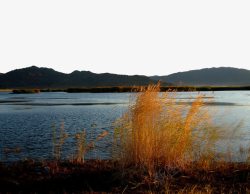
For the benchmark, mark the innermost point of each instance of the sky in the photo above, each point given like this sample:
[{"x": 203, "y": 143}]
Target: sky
[{"x": 124, "y": 36}]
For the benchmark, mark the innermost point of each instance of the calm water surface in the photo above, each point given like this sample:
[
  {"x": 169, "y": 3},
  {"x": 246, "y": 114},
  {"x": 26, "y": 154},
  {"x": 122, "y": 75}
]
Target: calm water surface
[{"x": 27, "y": 120}]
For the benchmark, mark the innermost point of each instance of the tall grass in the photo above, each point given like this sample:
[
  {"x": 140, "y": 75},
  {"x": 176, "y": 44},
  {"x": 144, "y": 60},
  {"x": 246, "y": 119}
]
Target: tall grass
[{"x": 158, "y": 131}]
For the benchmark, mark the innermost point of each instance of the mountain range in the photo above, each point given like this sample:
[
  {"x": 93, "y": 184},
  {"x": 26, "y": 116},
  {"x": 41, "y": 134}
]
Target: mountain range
[{"x": 35, "y": 77}]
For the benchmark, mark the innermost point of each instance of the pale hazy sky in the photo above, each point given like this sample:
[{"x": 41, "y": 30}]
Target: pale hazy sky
[{"x": 124, "y": 36}]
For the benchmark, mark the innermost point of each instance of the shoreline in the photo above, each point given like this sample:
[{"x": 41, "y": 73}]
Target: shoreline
[{"x": 127, "y": 89}]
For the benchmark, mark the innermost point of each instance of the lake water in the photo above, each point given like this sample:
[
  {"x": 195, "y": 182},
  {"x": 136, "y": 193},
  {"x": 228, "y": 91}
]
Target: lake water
[{"x": 27, "y": 120}]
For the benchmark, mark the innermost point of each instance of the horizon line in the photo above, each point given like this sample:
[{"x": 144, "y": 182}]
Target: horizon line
[{"x": 25, "y": 67}]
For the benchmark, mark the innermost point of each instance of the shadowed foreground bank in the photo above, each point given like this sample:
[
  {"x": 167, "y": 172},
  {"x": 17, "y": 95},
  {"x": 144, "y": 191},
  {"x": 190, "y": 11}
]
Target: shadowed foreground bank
[{"x": 107, "y": 176}]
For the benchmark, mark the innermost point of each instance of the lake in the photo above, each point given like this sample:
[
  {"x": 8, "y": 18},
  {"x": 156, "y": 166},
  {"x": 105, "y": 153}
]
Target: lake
[{"x": 27, "y": 121}]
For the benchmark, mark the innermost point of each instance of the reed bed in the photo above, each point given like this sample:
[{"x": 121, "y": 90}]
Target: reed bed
[{"x": 157, "y": 131}]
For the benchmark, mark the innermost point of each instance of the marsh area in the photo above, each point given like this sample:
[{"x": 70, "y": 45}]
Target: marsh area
[
  {"x": 27, "y": 120},
  {"x": 175, "y": 142}
]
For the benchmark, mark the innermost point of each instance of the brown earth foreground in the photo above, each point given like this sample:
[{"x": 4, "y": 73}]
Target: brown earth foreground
[{"x": 95, "y": 176}]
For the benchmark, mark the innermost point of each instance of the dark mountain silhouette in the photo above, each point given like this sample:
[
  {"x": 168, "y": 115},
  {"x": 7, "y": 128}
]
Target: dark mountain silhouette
[
  {"x": 222, "y": 76},
  {"x": 34, "y": 77}
]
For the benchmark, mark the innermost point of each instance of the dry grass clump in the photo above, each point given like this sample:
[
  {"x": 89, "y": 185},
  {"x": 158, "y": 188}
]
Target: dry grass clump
[{"x": 158, "y": 131}]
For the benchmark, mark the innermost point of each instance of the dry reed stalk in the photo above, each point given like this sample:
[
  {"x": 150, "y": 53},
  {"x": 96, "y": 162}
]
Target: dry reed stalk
[
  {"x": 83, "y": 146},
  {"x": 58, "y": 140}
]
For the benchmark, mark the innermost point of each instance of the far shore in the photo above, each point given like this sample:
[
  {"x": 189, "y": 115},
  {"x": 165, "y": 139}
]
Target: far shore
[{"x": 126, "y": 89}]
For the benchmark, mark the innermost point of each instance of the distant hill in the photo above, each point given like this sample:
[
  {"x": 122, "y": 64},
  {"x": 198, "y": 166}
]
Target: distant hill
[
  {"x": 222, "y": 76},
  {"x": 34, "y": 77}
]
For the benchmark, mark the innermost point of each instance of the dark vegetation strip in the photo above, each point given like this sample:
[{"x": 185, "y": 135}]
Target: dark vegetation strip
[
  {"x": 25, "y": 91},
  {"x": 163, "y": 89},
  {"x": 133, "y": 89}
]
